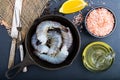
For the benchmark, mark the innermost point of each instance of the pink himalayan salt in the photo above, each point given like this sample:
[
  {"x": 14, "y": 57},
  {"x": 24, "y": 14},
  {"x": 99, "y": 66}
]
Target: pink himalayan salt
[{"x": 100, "y": 22}]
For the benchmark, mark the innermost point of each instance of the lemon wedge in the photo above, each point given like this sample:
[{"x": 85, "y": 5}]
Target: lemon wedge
[{"x": 71, "y": 6}]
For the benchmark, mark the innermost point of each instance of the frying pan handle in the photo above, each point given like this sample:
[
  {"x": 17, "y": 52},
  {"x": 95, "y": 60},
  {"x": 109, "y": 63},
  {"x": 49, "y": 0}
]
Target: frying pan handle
[{"x": 12, "y": 72}]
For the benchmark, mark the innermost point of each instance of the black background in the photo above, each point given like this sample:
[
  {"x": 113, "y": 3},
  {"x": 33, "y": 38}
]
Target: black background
[{"x": 76, "y": 71}]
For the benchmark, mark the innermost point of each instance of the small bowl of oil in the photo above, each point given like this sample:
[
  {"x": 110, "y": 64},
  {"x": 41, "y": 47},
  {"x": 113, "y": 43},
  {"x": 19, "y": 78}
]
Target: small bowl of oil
[{"x": 98, "y": 56}]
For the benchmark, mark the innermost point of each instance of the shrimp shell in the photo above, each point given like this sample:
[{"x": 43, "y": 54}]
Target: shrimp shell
[
  {"x": 39, "y": 48},
  {"x": 42, "y": 29},
  {"x": 34, "y": 41},
  {"x": 60, "y": 57},
  {"x": 56, "y": 42},
  {"x": 67, "y": 37}
]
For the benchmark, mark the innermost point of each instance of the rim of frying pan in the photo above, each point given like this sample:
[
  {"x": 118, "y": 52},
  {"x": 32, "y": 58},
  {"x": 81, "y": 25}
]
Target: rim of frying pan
[{"x": 65, "y": 63}]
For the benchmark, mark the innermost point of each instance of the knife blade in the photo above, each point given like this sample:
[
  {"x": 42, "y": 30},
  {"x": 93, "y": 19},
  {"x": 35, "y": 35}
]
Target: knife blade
[{"x": 14, "y": 31}]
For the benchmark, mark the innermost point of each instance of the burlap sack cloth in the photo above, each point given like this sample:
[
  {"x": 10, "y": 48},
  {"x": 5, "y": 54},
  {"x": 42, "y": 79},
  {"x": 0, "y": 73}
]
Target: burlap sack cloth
[{"x": 31, "y": 9}]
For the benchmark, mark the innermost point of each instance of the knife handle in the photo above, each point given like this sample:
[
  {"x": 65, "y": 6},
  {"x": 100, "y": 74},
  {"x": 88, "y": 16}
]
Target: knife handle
[{"x": 12, "y": 54}]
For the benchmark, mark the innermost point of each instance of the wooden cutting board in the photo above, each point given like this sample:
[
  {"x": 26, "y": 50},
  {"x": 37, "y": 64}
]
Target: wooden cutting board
[{"x": 31, "y": 9}]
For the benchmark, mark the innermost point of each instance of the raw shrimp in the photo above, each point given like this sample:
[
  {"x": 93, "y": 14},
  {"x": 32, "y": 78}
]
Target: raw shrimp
[
  {"x": 34, "y": 41},
  {"x": 52, "y": 42},
  {"x": 55, "y": 42},
  {"x": 42, "y": 29},
  {"x": 60, "y": 57},
  {"x": 67, "y": 37},
  {"x": 39, "y": 48}
]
